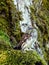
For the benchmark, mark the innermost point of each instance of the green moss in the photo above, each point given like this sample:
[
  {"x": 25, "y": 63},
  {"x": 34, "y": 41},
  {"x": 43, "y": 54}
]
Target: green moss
[
  {"x": 18, "y": 58},
  {"x": 46, "y": 4},
  {"x": 4, "y": 25},
  {"x": 9, "y": 19},
  {"x": 4, "y": 41},
  {"x": 9, "y": 26},
  {"x": 42, "y": 21}
]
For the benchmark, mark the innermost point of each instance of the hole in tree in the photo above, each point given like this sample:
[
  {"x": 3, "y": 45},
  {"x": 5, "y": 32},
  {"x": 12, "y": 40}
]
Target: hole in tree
[
  {"x": 38, "y": 63},
  {"x": 48, "y": 62}
]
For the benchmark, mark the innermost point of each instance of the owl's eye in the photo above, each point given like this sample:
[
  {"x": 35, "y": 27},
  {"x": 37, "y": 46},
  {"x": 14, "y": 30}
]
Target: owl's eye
[
  {"x": 26, "y": 24},
  {"x": 22, "y": 24}
]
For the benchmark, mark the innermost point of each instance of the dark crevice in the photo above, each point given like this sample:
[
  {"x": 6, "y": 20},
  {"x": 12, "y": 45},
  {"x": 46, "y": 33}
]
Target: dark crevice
[{"x": 38, "y": 63}]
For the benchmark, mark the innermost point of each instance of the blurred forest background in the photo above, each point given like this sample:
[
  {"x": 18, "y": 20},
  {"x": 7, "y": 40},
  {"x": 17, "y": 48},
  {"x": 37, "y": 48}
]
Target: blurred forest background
[{"x": 10, "y": 34}]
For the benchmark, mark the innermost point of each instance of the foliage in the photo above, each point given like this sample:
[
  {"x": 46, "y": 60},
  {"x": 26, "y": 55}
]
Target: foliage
[
  {"x": 9, "y": 19},
  {"x": 11, "y": 57},
  {"x": 45, "y": 4},
  {"x": 4, "y": 41},
  {"x": 41, "y": 19},
  {"x": 9, "y": 26},
  {"x": 4, "y": 25}
]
